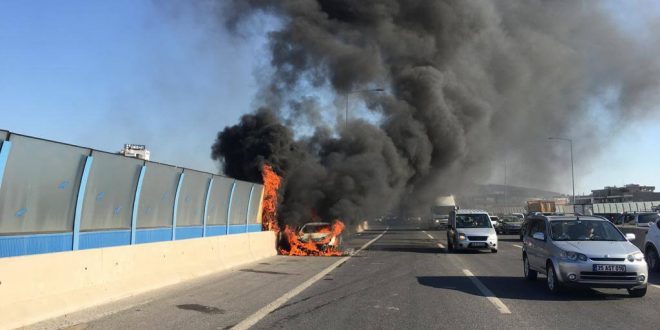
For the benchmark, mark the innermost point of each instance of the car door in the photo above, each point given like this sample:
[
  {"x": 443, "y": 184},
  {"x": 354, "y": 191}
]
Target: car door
[
  {"x": 542, "y": 246},
  {"x": 530, "y": 242}
]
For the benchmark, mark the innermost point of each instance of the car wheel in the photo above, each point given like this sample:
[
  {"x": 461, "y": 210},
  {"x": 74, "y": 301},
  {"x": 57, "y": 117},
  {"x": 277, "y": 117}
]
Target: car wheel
[
  {"x": 652, "y": 258},
  {"x": 637, "y": 292},
  {"x": 529, "y": 273},
  {"x": 552, "y": 282},
  {"x": 493, "y": 250}
]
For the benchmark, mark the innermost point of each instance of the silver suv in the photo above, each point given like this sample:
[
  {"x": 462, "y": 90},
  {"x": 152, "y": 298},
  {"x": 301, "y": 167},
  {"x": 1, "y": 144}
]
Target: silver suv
[{"x": 582, "y": 251}]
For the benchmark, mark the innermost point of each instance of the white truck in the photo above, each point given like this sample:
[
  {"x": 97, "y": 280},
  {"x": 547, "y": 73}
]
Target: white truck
[{"x": 442, "y": 206}]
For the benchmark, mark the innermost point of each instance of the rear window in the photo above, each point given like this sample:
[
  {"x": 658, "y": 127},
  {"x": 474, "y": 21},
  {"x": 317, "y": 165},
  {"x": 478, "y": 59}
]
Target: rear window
[{"x": 646, "y": 218}]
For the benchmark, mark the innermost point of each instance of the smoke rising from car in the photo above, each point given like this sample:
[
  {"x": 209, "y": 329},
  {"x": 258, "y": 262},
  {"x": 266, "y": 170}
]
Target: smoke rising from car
[{"x": 468, "y": 83}]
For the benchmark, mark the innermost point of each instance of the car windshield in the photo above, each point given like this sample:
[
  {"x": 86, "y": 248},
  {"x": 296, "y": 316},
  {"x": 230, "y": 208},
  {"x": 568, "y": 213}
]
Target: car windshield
[
  {"x": 473, "y": 221},
  {"x": 308, "y": 229},
  {"x": 584, "y": 230},
  {"x": 646, "y": 218}
]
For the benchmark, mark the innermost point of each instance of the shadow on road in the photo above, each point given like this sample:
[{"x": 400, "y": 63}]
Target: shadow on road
[
  {"x": 507, "y": 287},
  {"x": 509, "y": 239}
]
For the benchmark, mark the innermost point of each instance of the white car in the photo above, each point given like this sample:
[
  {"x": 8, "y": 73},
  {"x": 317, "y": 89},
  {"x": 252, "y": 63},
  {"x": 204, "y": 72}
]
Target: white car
[
  {"x": 471, "y": 230},
  {"x": 319, "y": 233},
  {"x": 652, "y": 246}
]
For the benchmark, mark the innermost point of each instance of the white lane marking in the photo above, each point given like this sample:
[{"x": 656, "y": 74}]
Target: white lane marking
[
  {"x": 516, "y": 245},
  {"x": 260, "y": 314},
  {"x": 431, "y": 237},
  {"x": 487, "y": 293}
]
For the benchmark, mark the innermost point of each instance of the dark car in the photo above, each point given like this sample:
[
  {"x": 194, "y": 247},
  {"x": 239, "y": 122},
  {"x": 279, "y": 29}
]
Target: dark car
[{"x": 509, "y": 225}]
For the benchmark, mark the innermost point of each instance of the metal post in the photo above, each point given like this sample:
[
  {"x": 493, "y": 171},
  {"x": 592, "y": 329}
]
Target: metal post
[
  {"x": 176, "y": 205},
  {"x": 572, "y": 173},
  {"x": 136, "y": 203},
  {"x": 506, "y": 188},
  {"x": 231, "y": 196},
  {"x": 4, "y": 156},
  {"x": 206, "y": 206},
  {"x": 77, "y": 219},
  {"x": 247, "y": 213},
  {"x": 570, "y": 141},
  {"x": 353, "y": 92}
]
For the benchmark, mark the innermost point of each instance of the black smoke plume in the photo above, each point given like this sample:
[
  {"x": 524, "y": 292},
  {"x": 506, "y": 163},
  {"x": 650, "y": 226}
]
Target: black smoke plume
[{"x": 468, "y": 84}]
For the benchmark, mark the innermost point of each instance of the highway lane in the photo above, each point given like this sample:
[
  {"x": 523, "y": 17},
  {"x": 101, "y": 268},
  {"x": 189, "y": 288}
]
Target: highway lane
[
  {"x": 216, "y": 301},
  {"x": 403, "y": 280}
]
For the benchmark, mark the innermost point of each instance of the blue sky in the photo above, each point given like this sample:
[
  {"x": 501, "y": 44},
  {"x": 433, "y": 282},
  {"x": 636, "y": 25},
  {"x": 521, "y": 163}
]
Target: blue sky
[{"x": 104, "y": 73}]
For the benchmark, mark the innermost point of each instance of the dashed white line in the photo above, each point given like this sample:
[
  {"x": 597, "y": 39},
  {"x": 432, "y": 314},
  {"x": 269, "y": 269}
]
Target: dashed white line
[
  {"x": 260, "y": 314},
  {"x": 487, "y": 293},
  {"x": 431, "y": 237},
  {"x": 516, "y": 245}
]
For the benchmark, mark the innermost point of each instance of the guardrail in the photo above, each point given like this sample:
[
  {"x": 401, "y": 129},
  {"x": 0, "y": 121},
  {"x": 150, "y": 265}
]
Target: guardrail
[{"x": 57, "y": 197}]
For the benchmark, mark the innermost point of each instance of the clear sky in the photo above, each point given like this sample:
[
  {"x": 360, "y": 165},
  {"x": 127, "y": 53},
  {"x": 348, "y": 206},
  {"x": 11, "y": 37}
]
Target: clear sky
[{"x": 104, "y": 73}]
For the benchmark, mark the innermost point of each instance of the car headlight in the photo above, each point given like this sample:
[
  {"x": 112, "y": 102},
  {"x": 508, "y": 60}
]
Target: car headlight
[
  {"x": 572, "y": 256},
  {"x": 636, "y": 256},
  {"x": 461, "y": 236}
]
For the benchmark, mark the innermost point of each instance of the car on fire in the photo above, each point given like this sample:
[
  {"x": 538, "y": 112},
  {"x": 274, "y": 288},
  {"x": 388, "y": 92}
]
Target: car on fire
[
  {"x": 321, "y": 234},
  {"x": 471, "y": 230},
  {"x": 582, "y": 251}
]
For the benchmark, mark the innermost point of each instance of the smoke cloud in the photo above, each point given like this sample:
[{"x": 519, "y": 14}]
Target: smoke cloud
[{"x": 468, "y": 84}]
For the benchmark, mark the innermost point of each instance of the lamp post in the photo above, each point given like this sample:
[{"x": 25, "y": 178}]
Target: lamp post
[
  {"x": 373, "y": 90},
  {"x": 572, "y": 171}
]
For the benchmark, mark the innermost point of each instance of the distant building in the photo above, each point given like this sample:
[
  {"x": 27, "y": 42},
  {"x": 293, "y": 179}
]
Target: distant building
[
  {"x": 489, "y": 196},
  {"x": 627, "y": 193},
  {"x": 136, "y": 151}
]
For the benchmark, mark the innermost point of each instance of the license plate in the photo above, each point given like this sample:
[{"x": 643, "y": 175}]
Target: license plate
[
  {"x": 478, "y": 244},
  {"x": 609, "y": 268}
]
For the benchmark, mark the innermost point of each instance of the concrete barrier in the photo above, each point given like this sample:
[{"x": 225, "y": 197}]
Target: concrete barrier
[{"x": 38, "y": 287}]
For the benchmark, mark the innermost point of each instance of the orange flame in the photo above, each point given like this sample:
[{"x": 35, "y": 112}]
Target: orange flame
[
  {"x": 328, "y": 246},
  {"x": 272, "y": 183}
]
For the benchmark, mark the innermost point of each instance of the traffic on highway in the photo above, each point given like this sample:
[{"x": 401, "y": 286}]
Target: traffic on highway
[{"x": 329, "y": 164}]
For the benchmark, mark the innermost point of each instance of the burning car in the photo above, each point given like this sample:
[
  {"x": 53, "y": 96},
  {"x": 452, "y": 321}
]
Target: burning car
[{"x": 321, "y": 234}]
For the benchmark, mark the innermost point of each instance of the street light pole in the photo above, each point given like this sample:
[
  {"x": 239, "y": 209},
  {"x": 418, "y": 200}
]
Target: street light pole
[
  {"x": 572, "y": 168},
  {"x": 355, "y": 92}
]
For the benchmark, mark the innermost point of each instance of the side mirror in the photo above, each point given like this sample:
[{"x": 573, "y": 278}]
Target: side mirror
[
  {"x": 630, "y": 236},
  {"x": 539, "y": 236}
]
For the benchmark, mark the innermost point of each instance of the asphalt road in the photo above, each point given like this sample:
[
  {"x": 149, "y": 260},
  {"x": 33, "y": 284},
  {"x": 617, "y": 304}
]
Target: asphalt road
[{"x": 404, "y": 280}]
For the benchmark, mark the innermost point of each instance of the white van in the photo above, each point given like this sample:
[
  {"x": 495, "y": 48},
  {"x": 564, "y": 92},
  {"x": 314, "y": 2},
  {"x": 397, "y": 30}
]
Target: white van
[{"x": 471, "y": 230}]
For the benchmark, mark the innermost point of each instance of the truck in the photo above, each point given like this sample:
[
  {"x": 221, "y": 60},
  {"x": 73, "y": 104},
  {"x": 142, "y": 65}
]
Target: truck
[
  {"x": 543, "y": 206},
  {"x": 440, "y": 209}
]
